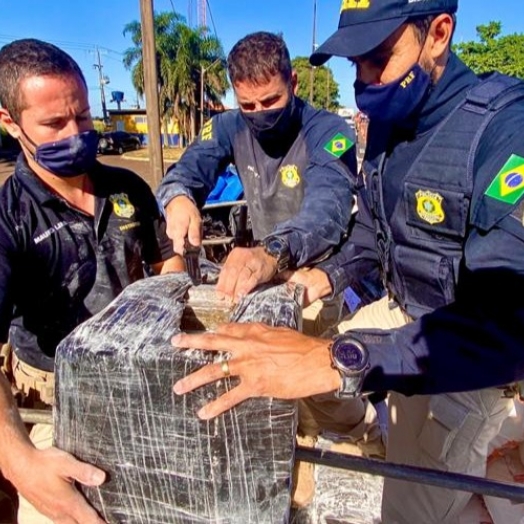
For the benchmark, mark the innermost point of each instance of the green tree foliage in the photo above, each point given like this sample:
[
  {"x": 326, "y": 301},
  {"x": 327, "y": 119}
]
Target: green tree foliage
[
  {"x": 325, "y": 88},
  {"x": 493, "y": 52},
  {"x": 185, "y": 55}
]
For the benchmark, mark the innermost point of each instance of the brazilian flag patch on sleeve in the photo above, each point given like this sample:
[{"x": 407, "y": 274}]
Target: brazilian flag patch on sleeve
[
  {"x": 508, "y": 185},
  {"x": 338, "y": 145}
]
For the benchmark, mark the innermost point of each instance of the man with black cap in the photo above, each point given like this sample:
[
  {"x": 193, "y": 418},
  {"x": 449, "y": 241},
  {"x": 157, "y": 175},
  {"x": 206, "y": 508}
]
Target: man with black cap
[{"x": 440, "y": 224}]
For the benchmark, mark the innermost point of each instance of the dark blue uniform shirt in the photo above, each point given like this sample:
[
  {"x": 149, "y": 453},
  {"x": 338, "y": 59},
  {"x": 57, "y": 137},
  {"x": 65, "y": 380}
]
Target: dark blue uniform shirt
[
  {"x": 59, "y": 266},
  {"x": 476, "y": 339},
  {"x": 302, "y": 192}
]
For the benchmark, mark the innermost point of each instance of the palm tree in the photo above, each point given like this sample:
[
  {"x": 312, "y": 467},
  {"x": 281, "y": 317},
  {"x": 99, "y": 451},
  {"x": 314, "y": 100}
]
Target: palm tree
[
  {"x": 197, "y": 53},
  {"x": 181, "y": 53}
]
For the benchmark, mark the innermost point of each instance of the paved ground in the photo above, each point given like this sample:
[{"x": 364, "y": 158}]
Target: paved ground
[{"x": 141, "y": 167}]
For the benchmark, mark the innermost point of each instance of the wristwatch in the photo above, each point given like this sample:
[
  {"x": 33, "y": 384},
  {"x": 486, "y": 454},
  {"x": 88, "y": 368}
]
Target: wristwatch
[
  {"x": 278, "y": 248},
  {"x": 351, "y": 358}
]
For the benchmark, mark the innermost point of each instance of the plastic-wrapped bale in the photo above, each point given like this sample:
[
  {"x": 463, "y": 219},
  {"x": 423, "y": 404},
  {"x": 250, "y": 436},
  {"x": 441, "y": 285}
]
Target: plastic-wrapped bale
[{"x": 115, "y": 409}]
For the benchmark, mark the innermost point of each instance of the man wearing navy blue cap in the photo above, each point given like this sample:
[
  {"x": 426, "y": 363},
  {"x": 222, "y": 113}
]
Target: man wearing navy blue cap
[
  {"x": 440, "y": 225},
  {"x": 365, "y": 24}
]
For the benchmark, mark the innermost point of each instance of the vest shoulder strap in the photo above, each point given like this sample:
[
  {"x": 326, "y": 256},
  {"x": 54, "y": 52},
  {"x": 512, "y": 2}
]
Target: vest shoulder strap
[
  {"x": 448, "y": 157},
  {"x": 494, "y": 92}
]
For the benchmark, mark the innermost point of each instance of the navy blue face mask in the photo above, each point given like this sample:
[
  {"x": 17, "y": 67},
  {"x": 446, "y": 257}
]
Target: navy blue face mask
[
  {"x": 72, "y": 156},
  {"x": 395, "y": 101}
]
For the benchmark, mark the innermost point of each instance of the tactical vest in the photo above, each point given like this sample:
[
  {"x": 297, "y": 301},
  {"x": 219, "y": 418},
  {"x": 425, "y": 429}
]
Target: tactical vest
[
  {"x": 421, "y": 259},
  {"x": 274, "y": 189}
]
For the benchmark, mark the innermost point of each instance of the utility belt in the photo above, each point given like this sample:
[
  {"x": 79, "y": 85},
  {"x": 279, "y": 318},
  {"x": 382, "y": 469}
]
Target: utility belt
[{"x": 32, "y": 388}]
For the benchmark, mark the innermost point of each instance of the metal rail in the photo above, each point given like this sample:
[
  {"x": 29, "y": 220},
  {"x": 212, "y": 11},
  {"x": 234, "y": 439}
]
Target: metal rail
[
  {"x": 432, "y": 477},
  {"x": 218, "y": 205},
  {"x": 217, "y": 241},
  {"x": 36, "y": 416}
]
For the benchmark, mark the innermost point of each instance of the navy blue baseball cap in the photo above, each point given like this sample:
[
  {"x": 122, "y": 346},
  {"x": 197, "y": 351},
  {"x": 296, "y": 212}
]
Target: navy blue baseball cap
[{"x": 365, "y": 24}]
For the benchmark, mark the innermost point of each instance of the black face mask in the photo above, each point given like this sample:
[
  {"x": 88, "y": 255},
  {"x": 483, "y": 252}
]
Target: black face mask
[{"x": 272, "y": 126}]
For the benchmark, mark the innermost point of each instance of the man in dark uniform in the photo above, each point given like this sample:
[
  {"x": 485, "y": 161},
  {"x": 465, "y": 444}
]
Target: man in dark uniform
[
  {"x": 440, "y": 223},
  {"x": 297, "y": 166},
  {"x": 298, "y": 169},
  {"x": 73, "y": 234}
]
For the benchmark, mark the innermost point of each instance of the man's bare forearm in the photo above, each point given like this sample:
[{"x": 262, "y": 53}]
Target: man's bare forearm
[{"x": 13, "y": 435}]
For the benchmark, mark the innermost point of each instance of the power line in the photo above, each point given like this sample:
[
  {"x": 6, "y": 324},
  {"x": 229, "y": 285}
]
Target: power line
[
  {"x": 77, "y": 46},
  {"x": 212, "y": 20}
]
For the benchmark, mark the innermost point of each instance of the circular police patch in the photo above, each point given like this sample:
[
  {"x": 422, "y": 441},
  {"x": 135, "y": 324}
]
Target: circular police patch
[{"x": 290, "y": 176}]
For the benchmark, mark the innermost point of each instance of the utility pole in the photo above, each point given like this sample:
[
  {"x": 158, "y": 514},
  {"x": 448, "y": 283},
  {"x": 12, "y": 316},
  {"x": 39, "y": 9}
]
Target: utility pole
[
  {"x": 102, "y": 80},
  {"x": 202, "y": 13},
  {"x": 190, "y": 13},
  {"x": 151, "y": 90},
  {"x": 314, "y": 46},
  {"x": 202, "y": 71}
]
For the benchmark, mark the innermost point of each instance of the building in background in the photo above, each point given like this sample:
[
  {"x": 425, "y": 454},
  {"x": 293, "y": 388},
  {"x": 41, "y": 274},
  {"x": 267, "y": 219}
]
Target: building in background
[
  {"x": 135, "y": 121},
  {"x": 348, "y": 114}
]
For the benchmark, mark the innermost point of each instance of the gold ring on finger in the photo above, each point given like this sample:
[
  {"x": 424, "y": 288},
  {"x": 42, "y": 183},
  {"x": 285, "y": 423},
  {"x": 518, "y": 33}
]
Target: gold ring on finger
[{"x": 224, "y": 366}]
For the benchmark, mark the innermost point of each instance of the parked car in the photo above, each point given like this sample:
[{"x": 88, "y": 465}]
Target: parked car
[{"x": 117, "y": 142}]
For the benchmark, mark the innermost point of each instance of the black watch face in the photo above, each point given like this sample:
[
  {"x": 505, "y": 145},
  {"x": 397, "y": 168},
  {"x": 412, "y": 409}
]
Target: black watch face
[
  {"x": 349, "y": 356},
  {"x": 275, "y": 246}
]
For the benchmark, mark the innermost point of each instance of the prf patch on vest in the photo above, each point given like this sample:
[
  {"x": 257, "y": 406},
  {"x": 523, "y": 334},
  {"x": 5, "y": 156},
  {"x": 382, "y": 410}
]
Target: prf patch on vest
[
  {"x": 508, "y": 185},
  {"x": 355, "y": 4},
  {"x": 435, "y": 210},
  {"x": 207, "y": 131},
  {"x": 290, "y": 176},
  {"x": 338, "y": 145},
  {"x": 122, "y": 205},
  {"x": 429, "y": 207}
]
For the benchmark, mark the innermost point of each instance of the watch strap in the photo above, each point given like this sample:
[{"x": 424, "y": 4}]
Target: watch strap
[{"x": 350, "y": 386}]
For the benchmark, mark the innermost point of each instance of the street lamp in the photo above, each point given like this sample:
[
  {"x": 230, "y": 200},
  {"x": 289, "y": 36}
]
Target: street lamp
[{"x": 204, "y": 70}]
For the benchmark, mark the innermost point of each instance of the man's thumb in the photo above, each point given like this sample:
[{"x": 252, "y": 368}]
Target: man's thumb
[{"x": 86, "y": 474}]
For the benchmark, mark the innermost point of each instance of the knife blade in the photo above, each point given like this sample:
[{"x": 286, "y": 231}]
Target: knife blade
[{"x": 191, "y": 256}]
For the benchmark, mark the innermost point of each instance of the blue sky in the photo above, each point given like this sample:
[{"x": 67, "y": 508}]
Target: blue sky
[{"x": 79, "y": 26}]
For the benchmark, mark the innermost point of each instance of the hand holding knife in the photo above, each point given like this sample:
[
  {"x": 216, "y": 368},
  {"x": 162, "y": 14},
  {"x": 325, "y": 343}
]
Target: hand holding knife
[{"x": 191, "y": 258}]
